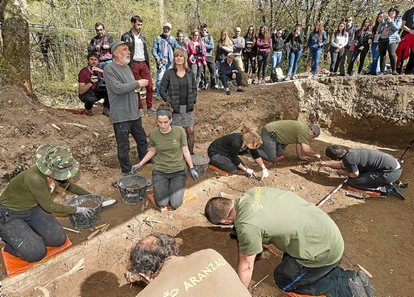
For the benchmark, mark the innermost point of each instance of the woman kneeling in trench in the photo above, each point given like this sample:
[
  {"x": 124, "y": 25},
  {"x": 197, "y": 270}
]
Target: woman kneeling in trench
[
  {"x": 168, "y": 146},
  {"x": 27, "y": 225},
  {"x": 223, "y": 152}
]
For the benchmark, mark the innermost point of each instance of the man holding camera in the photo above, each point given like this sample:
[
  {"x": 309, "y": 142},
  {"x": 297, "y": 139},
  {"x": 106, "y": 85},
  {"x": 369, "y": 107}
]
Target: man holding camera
[{"x": 91, "y": 86}]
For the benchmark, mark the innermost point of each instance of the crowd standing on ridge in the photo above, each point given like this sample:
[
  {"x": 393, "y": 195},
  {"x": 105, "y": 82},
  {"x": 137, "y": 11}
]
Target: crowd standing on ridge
[{"x": 118, "y": 71}]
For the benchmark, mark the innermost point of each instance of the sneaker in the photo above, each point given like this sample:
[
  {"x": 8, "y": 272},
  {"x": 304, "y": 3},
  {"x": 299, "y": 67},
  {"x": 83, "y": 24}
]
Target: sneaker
[
  {"x": 151, "y": 110},
  {"x": 288, "y": 77},
  {"x": 240, "y": 90},
  {"x": 105, "y": 111},
  {"x": 357, "y": 287},
  {"x": 395, "y": 73},
  {"x": 140, "y": 112},
  {"x": 227, "y": 91},
  {"x": 295, "y": 76},
  {"x": 366, "y": 282},
  {"x": 88, "y": 112}
]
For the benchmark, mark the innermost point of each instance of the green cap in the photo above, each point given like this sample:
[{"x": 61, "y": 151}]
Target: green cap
[{"x": 56, "y": 161}]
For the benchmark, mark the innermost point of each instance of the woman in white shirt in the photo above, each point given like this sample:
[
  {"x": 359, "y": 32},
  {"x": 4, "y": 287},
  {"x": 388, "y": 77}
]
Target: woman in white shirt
[{"x": 338, "y": 42}]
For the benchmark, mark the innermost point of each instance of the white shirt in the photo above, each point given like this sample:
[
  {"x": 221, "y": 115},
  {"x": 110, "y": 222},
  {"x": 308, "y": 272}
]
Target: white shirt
[
  {"x": 339, "y": 40},
  {"x": 139, "y": 49}
]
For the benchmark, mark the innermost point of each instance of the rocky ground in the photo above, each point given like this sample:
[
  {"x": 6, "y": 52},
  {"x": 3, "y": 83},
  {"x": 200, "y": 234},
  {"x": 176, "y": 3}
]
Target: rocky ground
[{"x": 376, "y": 109}]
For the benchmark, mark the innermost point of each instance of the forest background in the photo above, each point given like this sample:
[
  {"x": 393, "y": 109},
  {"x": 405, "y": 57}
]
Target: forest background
[{"x": 58, "y": 31}]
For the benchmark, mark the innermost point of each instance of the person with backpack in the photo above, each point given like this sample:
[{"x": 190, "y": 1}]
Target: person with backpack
[{"x": 162, "y": 50}]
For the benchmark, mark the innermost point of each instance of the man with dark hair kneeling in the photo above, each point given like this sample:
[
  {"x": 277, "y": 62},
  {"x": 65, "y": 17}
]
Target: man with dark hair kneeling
[
  {"x": 367, "y": 169},
  {"x": 311, "y": 243},
  {"x": 204, "y": 273}
]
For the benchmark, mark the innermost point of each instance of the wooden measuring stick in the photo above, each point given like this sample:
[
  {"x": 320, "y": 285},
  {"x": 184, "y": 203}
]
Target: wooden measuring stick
[{"x": 71, "y": 230}]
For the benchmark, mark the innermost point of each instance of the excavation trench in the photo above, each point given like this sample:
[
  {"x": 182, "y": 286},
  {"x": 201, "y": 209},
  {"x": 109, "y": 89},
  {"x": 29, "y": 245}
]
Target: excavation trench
[{"x": 372, "y": 230}]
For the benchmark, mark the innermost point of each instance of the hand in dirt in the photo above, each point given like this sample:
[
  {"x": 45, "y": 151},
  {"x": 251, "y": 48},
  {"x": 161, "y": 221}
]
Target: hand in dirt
[
  {"x": 143, "y": 82},
  {"x": 265, "y": 173},
  {"x": 86, "y": 211},
  {"x": 136, "y": 168},
  {"x": 194, "y": 174},
  {"x": 249, "y": 172}
]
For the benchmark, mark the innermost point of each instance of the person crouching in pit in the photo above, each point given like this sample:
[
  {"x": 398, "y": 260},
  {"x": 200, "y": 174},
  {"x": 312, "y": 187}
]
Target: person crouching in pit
[
  {"x": 168, "y": 149},
  {"x": 223, "y": 152}
]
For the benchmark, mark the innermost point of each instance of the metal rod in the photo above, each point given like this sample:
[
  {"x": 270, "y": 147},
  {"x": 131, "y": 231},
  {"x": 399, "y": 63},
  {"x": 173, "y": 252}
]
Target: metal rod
[
  {"x": 329, "y": 195},
  {"x": 258, "y": 283},
  {"x": 409, "y": 145}
]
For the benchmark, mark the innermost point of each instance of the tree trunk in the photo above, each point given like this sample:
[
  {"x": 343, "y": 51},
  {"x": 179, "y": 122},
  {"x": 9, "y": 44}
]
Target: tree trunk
[{"x": 16, "y": 44}]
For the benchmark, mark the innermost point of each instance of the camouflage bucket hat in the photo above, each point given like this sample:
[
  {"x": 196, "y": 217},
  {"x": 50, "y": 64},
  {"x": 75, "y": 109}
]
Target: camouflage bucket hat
[{"x": 56, "y": 161}]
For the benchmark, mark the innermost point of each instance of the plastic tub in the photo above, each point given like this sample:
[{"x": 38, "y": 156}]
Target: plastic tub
[
  {"x": 79, "y": 221},
  {"x": 132, "y": 188},
  {"x": 200, "y": 164}
]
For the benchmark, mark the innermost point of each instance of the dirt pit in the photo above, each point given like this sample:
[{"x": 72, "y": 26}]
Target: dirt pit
[{"x": 378, "y": 234}]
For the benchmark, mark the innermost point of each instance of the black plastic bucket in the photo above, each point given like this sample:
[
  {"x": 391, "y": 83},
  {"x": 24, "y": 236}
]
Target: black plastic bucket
[
  {"x": 200, "y": 164},
  {"x": 79, "y": 221},
  {"x": 132, "y": 188}
]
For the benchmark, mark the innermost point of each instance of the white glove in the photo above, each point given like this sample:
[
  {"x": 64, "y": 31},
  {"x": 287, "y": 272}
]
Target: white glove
[
  {"x": 86, "y": 211},
  {"x": 249, "y": 172},
  {"x": 136, "y": 168},
  {"x": 265, "y": 173}
]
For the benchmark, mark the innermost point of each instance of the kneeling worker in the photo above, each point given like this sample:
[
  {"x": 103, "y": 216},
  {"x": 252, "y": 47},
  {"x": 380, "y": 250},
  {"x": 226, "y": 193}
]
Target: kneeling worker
[
  {"x": 277, "y": 135},
  {"x": 310, "y": 240},
  {"x": 367, "y": 169},
  {"x": 204, "y": 273},
  {"x": 223, "y": 152},
  {"x": 27, "y": 225}
]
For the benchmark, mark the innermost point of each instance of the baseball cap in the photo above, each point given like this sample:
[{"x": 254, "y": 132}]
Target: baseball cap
[
  {"x": 315, "y": 129},
  {"x": 117, "y": 43},
  {"x": 167, "y": 25}
]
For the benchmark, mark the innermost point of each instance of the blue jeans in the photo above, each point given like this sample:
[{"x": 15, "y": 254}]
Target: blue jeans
[
  {"x": 271, "y": 148},
  {"x": 169, "y": 188},
  {"x": 316, "y": 58},
  {"x": 294, "y": 57},
  {"x": 160, "y": 73},
  {"x": 122, "y": 131},
  {"x": 375, "y": 68},
  {"x": 276, "y": 59},
  {"x": 27, "y": 233}
]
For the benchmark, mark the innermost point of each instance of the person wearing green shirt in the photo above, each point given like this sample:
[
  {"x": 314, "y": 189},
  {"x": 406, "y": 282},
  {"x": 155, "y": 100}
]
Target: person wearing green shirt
[
  {"x": 278, "y": 134},
  {"x": 310, "y": 240},
  {"x": 168, "y": 149},
  {"x": 27, "y": 225}
]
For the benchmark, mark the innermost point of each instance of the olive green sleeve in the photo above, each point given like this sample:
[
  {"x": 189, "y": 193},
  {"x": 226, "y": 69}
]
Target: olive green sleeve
[
  {"x": 73, "y": 188},
  {"x": 40, "y": 191}
]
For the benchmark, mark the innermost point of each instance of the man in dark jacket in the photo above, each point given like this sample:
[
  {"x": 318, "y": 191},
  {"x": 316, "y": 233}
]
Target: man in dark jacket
[
  {"x": 229, "y": 71},
  {"x": 137, "y": 43},
  {"x": 100, "y": 44}
]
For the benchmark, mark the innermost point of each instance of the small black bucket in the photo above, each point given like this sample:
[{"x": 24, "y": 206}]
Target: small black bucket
[
  {"x": 200, "y": 164},
  {"x": 132, "y": 188},
  {"x": 79, "y": 221}
]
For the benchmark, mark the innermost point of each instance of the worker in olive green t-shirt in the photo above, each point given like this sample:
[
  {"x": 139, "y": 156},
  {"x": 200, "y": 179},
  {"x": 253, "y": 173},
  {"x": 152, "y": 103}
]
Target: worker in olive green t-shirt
[
  {"x": 310, "y": 240},
  {"x": 169, "y": 150},
  {"x": 26, "y": 205},
  {"x": 277, "y": 135}
]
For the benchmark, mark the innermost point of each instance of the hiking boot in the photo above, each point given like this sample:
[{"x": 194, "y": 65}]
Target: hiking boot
[
  {"x": 366, "y": 282},
  {"x": 151, "y": 111},
  {"x": 105, "y": 111},
  {"x": 357, "y": 287},
  {"x": 88, "y": 112}
]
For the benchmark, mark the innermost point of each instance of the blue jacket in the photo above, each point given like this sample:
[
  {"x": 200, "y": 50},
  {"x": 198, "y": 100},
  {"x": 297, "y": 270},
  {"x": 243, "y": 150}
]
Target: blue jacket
[
  {"x": 209, "y": 43},
  {"x": 394, "y": 27},
  {"x": 158, "y": 48},
  {"x": 314, "y": 42}
]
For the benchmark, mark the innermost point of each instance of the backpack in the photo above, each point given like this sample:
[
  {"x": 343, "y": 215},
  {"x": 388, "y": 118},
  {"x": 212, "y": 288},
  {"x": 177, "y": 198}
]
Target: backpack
[{"x": 277, "y": 74}]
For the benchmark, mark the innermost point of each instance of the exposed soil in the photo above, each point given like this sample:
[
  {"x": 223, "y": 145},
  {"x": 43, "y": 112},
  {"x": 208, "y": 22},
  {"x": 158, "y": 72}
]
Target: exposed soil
[{"x": 378, "y": 234}]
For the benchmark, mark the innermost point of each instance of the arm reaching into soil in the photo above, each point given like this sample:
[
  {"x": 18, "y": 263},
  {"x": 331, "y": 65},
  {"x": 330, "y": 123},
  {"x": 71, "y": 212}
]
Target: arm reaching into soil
[
  {"x": 341, "y": 168},
  {"x": 305, "y": 152},
  {"x": 245, "y": 268}
]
